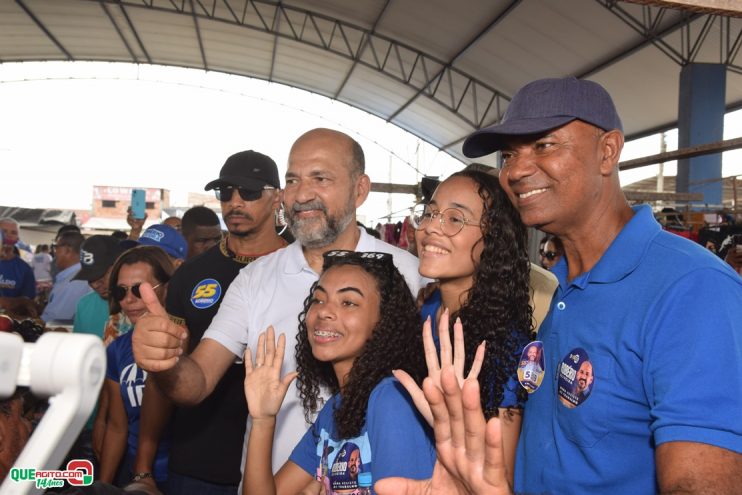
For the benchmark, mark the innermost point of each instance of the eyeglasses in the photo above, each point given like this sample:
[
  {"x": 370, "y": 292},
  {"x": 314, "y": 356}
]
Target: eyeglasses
[
  {"x": 549, "y": 255},
  {"x": 224, "y": 194},
  {"x": 452, "y": 220},
  {"x": 338, "y": 256},
  {"x": 119, "y": 292}
]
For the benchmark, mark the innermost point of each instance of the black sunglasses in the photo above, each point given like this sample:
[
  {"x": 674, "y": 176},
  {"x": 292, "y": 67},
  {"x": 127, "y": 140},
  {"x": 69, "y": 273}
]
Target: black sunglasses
[
  {"x": 119, "y": 292},
  {"x": 549, "y": 255},
  {"x": 224, "y": 194}
]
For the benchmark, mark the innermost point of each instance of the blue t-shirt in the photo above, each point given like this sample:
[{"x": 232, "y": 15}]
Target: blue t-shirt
[
  {"x": 16, "y": 279},
  {"x": 394, "y": 441},
  {"x": 122, "y": 369},
  {"x": 641, "y": 350},
  {"x": 430, "y": 308},
  {"x": 91, "y": 315}
]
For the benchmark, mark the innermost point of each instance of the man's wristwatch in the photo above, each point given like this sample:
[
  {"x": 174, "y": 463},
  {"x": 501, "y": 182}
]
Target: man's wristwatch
[{"x": 141, "y": 476}]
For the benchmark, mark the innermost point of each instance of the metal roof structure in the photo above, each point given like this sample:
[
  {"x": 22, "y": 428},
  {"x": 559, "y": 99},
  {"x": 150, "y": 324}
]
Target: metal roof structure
[{"x": 437, "y": 68}]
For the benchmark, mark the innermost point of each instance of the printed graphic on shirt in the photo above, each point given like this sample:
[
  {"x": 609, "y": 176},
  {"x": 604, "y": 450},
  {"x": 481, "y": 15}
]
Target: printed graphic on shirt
[
  {"x": 132, "y": 380},
  {"x": 341, "y": 462},
  {"x": 531, "y": 366},
  {"x": 575, "y": 381},
  {"x": 206, "y": 293},
  {"x": 6, "y": 283}
]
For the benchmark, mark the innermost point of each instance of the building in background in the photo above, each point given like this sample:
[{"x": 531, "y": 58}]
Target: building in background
[{"x": 111, "y": 202}]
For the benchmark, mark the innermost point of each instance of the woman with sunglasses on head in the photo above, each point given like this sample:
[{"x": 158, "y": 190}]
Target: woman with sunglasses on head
[
  {"x": 472, "y": 241},
  {"x": 358, "y": 324},
  {"x": 124, "y": 381}
]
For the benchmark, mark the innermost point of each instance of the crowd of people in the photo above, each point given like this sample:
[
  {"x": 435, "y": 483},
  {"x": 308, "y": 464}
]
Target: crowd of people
[{"x": 322, "y": 360}]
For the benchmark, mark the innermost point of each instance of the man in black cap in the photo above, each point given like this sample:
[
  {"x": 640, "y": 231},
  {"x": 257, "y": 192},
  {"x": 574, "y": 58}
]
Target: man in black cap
[
  {"x": 634, "y": 302},
  {"x": 207, "y": 439},
  {"x": 97, "y": 255}
]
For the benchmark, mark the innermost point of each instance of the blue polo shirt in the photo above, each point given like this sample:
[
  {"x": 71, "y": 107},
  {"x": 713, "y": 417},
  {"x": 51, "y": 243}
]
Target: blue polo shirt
[
  {"x": 65, "y": 295},
  {"x": 642, "y": 349}
]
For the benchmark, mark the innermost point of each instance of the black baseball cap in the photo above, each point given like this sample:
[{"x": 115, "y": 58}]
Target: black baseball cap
[
  {"x": 544, "y": 105},
  {"x": 97, "y": 255},
  {"x": 247, "y": 169}
]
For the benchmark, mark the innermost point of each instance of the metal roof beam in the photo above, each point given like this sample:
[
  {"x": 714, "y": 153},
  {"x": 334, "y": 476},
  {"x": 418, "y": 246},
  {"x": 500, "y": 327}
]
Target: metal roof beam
[
  {"x": 690, "y": 44},
  {"x": 650, "y": 37},
  {"x": 689, "y": 152},
  {"x": 402, "y": 62},
  {"x": 46, "y": 31},
  {"x": 360, "y": 51},
  {"x": 120, "y": 33},
  {"x": 276, "y": 27},
  {"x": 198, "y": 33},
  {"x": 502, "y": 15},
  {"x": 134, "y": 31}
]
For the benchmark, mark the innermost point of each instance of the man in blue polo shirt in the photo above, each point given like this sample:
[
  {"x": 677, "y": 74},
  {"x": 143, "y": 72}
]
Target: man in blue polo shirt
[
  {"x": 17, "y": 282},
  {"x": 67, "y": 290},
  {"x": 642, "y": 344}
]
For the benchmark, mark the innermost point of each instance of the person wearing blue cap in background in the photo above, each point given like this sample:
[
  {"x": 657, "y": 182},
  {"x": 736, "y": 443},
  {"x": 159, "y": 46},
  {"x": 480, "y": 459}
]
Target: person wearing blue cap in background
[
  {"x": 165, "y": 237},
  {"x": 656, "y": 316}
]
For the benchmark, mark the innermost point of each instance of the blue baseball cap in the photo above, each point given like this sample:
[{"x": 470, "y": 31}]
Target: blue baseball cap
[
  {"x": 165, "y": 237},
  {"x": 544, "y": 105}
]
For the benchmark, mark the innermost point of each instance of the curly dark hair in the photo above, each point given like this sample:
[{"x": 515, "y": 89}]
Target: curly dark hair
[
  {"x": 497, "y": 309},
  {"x": 396, "y": 343}
]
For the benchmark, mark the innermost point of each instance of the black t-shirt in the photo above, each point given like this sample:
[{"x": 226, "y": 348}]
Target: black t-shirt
[{"x": 207, "y": 438}]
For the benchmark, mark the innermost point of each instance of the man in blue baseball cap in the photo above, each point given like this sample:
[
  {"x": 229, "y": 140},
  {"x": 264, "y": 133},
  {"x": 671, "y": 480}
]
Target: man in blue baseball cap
[
  {"x": 166, "y": 237},
  {"x": 653, "y": 316}
]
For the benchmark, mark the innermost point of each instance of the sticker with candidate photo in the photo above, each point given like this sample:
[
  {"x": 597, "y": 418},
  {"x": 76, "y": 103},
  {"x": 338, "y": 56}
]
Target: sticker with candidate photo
[
  {"x": 531, "y": 366},
  {"x": 575, "y": 382}
]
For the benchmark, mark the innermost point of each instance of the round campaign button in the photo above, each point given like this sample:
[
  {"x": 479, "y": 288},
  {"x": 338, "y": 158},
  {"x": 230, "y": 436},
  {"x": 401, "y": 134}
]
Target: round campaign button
[
  {"x": 576, "y": 380},
  {"x": 531, "y": 366},
  {"x": 206, "y": 293}
]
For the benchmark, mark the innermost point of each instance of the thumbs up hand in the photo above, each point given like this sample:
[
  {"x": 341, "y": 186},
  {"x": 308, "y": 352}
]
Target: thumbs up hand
[{"x": 157, "y": 342}]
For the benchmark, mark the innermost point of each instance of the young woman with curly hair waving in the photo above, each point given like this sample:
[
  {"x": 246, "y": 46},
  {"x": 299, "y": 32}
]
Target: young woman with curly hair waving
[
  {"x": 358, "y": 325},
  {"x": 472, "y": 241}
]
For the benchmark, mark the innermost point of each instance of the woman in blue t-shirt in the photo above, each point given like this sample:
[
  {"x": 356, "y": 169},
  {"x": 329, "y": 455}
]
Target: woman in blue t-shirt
[
  {"x": 471, "y": 240},
  {"x": 125, "y": 381},
  {"x": 359, "y": 323}
]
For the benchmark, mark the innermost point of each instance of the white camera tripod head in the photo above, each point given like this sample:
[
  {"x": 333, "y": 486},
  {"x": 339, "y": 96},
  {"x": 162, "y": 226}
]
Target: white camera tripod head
[{"x": 67, "y": 368}]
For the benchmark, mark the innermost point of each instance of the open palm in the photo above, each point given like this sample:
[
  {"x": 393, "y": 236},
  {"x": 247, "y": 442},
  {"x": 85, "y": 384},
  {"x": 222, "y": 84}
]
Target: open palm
[
  {"x": 470, "y": 459},
  {"x": 450, "y": 356},
  {"x": 264, "y": 387}
]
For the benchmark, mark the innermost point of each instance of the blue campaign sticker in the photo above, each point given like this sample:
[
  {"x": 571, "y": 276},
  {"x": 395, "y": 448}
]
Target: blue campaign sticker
[
  {"x": 575, "y": 383},
  {"x": 206, "y": 293},
  {"x": 531, "y": 366}
]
